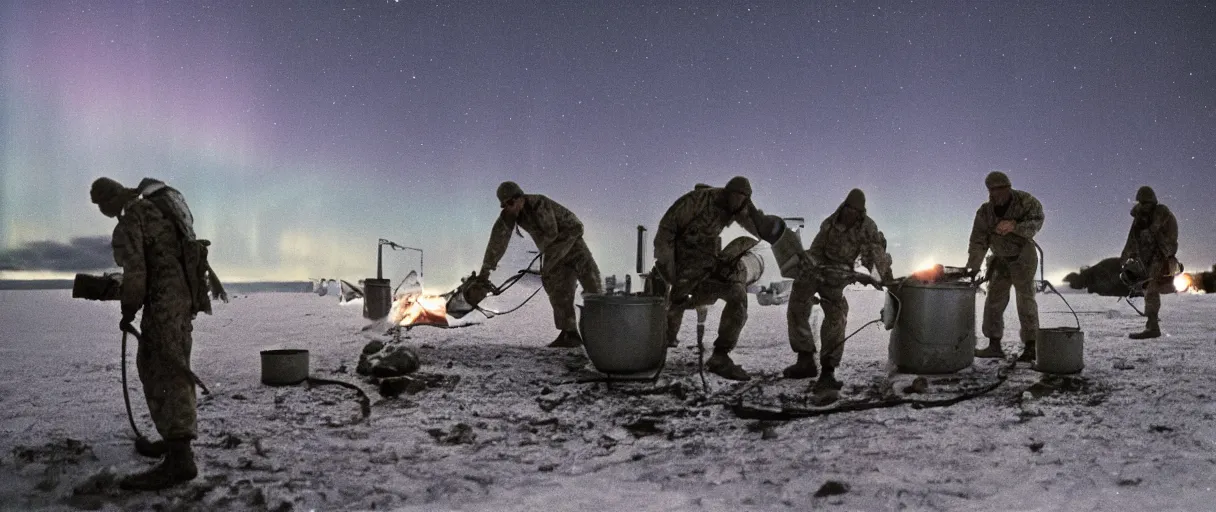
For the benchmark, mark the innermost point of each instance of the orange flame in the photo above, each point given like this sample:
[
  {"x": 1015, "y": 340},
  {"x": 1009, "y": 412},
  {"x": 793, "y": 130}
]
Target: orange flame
[
  {"x": 930, "y": 274},
  {"x": 1184, "y": 282},
  {"x": 418, "y": 309}
]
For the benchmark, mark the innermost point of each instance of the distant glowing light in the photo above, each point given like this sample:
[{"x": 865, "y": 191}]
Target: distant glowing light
[{"x": 1184, "y": 283}]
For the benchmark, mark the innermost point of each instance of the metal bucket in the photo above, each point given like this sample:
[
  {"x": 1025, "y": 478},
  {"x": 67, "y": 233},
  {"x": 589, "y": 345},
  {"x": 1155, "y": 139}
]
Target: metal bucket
[
  {"x": 750, "y": 265},
  {"x": 284, "y": 367},
  {"x": 934, "y": 326},
  {"x": 624, "y": 334},
  {"x": 377, "y": 298},
  {"x": 1060, "y": 350},
  {"x": 753, "y": 268}
]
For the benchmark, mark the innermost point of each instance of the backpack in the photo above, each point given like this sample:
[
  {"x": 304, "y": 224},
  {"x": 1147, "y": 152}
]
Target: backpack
[{"x": 200, "y": 277}]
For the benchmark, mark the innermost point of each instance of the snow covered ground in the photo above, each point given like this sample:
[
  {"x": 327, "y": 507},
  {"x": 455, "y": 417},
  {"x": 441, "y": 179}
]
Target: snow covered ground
[{"x": 505, "y": 424}]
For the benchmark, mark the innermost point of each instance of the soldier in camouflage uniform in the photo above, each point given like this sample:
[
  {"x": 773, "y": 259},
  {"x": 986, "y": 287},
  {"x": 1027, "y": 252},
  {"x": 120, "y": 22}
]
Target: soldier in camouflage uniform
[
  {"x": 845, "y": 236},
  {"x": 686, "y": 249},
  {"x": 148, "y": 245},
  {"x": 558, "y": 235},
  {"x": 1006, "y": 225},
  {"x": 1153, "y": 242}
]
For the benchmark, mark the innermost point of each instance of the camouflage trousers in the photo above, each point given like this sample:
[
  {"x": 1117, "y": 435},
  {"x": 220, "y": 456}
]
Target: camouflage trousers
[
  {"x": 835, "y": 316},
  {"x": 560, "y": 282},
  {"x": 163, "y": 362},
  {"x": 1019, "y": 274},
  {"x": 709, "y": 291},
  {"x": 1153, "y": 287}
]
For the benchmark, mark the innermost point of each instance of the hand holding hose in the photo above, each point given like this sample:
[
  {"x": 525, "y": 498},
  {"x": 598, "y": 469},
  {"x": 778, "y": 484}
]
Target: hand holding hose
[
  {"x": 1005, "y": 226},
  {"x": 126, "y": 324}
]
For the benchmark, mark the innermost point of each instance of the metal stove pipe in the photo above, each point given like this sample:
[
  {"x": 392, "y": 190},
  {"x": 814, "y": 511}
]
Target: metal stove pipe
[{"x": 641, "y": 249}]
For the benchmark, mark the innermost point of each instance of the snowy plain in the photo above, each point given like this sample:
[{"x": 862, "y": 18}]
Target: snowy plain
[{"x": 505, "y": 423}]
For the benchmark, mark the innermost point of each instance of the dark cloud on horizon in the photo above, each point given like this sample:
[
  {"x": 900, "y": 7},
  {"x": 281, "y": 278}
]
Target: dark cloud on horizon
[{"x": 79, "y": 254}]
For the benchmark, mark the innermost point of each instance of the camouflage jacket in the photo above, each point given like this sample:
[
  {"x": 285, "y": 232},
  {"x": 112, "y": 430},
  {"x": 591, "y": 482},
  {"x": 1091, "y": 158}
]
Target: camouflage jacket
[
  {"x": 837, "y": 246},
  {"x": 148, "y": 248},
  {"x": 1024, "y": 210},
  {"x": 553, "y": 228},
  {"x": 687, "y": 237},
  {"x": 1154, "y": 240}
]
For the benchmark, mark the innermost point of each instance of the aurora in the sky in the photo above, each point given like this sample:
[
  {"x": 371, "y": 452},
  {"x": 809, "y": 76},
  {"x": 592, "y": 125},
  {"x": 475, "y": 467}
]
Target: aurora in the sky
[{"x": 303, "y": 132}]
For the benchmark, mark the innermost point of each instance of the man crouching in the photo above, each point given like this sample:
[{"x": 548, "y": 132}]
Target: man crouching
[{"x": 687, "y": 254}]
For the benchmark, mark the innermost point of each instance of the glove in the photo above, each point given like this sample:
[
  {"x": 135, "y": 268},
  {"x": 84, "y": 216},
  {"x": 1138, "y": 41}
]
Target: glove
[
  {"x": 1005, "y": 227},
  {"x": 972, "y": 272}
]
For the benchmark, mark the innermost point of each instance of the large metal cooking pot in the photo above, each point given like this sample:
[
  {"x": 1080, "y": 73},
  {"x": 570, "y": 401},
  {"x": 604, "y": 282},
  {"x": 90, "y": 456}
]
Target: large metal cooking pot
[
  {"x": 624, "y": 334},
  {"x": 284, "y": 367},
  {"x": 749, "y": 264},
  {"x": 934, "y": 326}
]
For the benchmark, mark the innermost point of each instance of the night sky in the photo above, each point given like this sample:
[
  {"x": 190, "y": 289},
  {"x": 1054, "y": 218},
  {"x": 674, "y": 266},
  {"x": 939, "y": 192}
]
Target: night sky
[{"x": 301, "y": 132}]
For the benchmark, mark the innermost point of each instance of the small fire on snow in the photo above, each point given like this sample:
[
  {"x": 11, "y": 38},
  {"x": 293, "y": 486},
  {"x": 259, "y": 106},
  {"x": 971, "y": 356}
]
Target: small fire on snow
[
  {"x": 1185, "y": 283},
  {"x": 419, "y": 309}
]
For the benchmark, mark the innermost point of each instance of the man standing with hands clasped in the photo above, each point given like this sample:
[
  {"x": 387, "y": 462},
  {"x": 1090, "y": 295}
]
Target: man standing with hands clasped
[{"x": 1006, "y": 226}]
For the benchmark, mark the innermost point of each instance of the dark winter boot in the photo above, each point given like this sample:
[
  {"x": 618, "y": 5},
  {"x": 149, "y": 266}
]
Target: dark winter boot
[
  {"x": 827, "y": 381},
  {"x": 567, "y": 339},
  {"x": 805, "y": 368},
  {"x": 177, "y": 468},
  {"x": 150, "y": 448},
  {"x": 721, "y": 365},
  {"x": 1028, "y": 353},
  {"x": 1151, "y": 330},
  {"x": 993, "y": 350}
]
